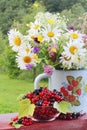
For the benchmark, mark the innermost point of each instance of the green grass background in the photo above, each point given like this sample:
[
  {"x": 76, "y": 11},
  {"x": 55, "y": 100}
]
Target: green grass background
[{"x": 10, "y": 89}]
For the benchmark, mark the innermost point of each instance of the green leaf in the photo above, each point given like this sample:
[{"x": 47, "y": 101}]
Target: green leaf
[
  {"x": 70, "y": 78},
  {"x": 16, "y": 125},
  {"x": 26, "y": 108},
  {"x": 76, "y": 103},
  {"x": 79, "y": 78},
  {"x": 64, "y": 107}
]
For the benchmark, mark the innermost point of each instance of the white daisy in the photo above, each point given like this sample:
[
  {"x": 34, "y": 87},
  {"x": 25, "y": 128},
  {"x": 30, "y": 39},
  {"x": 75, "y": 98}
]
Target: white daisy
[
  {"x": 15, "y": 39},
  {"x": 34, "y": 30},
  {"x": 74, "y": 47},
  {"x": 79, "y": 61},
  {"x": 66, "y": 61},
  {"x": 35, "y": 25},
  {"x": 75, "y": 35},
  {"x": 46, "y": 18},
  {"x": 34, "y": 35},
  {"x": 25, "y": 59},
  {"x": 25, "y": 48},
  {"x": 50, "y": 34}
]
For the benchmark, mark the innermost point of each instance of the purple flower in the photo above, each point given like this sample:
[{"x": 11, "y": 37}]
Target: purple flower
[
  {"x": 29, "y": 66},
  {"x": 36, "y": 49},
  {"x": 71, "y": 27},
  {"x": 48, "y": 69}
]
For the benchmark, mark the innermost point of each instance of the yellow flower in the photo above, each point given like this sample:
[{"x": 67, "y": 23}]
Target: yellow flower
[
  {"x": 36, "y": 4},
  {"x": 35, "y": 57},
  {"x": 40, "y": 38},
  {"x": 53, "y": 49},
  {"x": 51, "y": 21}
]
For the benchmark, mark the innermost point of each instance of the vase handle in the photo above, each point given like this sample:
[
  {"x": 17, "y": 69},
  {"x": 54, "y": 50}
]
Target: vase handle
[{"x": 38, "y": 78}]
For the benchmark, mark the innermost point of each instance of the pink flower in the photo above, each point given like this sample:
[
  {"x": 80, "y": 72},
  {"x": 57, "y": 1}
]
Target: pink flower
[
  {"x": 48, "y": 69},
  {"x": 85, "y": 38},
  {"x": 71, "y": 27}
]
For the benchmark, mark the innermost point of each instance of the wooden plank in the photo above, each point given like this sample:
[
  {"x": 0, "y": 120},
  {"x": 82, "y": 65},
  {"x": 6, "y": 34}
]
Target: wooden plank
[{"x": 78, "y": 124}]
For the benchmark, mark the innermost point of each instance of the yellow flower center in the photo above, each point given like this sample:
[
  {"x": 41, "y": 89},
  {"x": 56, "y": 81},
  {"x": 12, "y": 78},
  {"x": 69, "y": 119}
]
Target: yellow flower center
[
  {"x": 40, "y": 38},
  {"x": 36, "y": 26},
  {"x": 51, "y": 21},
  {"x": 27, "y": 50},
  {"x": 35, "y": 57},
  {"x": 67, "y": 58},
  {"x": 74, "y": 35},
  {"x": 17, "y": 41},
  {"x": 50, "y": 34},
  {"x": 79, "y": 59},
  {"x": 32, "y": 37},
  {"x": 73, "y": 49},
  {"x": 27, "y": 59},
  {"x": 53, "y": 49}
]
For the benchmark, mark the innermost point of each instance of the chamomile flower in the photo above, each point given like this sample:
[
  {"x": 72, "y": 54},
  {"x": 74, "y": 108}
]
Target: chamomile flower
[
  {"x": 50, "y": 34},
  {"x": 35, "y": 25},
  {"x": 66, "y": 61},
  {"x": 74, "y": 47},
  {"x": 51, "y": 19},
  {"x": 79, "y": 61},
  {"x": 34, "y": 32},
  {"x": 15, "y": 39},
  {"x": 26, "y": 59},
  {"x": 25, "y": 48},
  {"x": 35, "y": 36},
  {"x": 48, "y": 18},
  {"x": 75, "y": 35}
]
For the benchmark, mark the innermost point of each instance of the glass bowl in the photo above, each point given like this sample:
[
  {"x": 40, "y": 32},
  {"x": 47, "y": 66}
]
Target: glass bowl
[{"x": 45, "y": 113}]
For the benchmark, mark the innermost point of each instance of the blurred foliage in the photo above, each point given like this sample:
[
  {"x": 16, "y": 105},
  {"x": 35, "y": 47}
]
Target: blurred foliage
[
  {"x": 61, "y": 5},
  {"x": 73, "y": 14},
  {"x": 81, "y": 23},
  {"x": 3, "y": 44},
  {"x": 11, "y": 65}
]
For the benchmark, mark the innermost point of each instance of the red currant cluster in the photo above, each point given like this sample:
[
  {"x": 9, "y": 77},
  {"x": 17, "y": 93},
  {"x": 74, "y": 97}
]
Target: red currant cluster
[
  {"x": 44, "y": 97},
  {"x": 69, "y": 116},
  {"x": 45, "y": 113},
  {"x": 24, "y": 121}
]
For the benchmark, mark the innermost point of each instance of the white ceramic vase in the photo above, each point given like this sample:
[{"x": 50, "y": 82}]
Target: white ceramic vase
[{"x": 62, "y": 78}]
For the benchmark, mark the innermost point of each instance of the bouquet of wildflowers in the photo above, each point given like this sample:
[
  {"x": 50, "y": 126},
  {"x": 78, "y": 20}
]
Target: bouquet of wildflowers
[{"x": 49, "y": 41}]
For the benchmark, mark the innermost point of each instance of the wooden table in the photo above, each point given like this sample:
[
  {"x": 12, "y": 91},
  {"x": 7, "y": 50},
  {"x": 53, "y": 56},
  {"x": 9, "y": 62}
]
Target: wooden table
[{"x": 78, "y": 124}]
